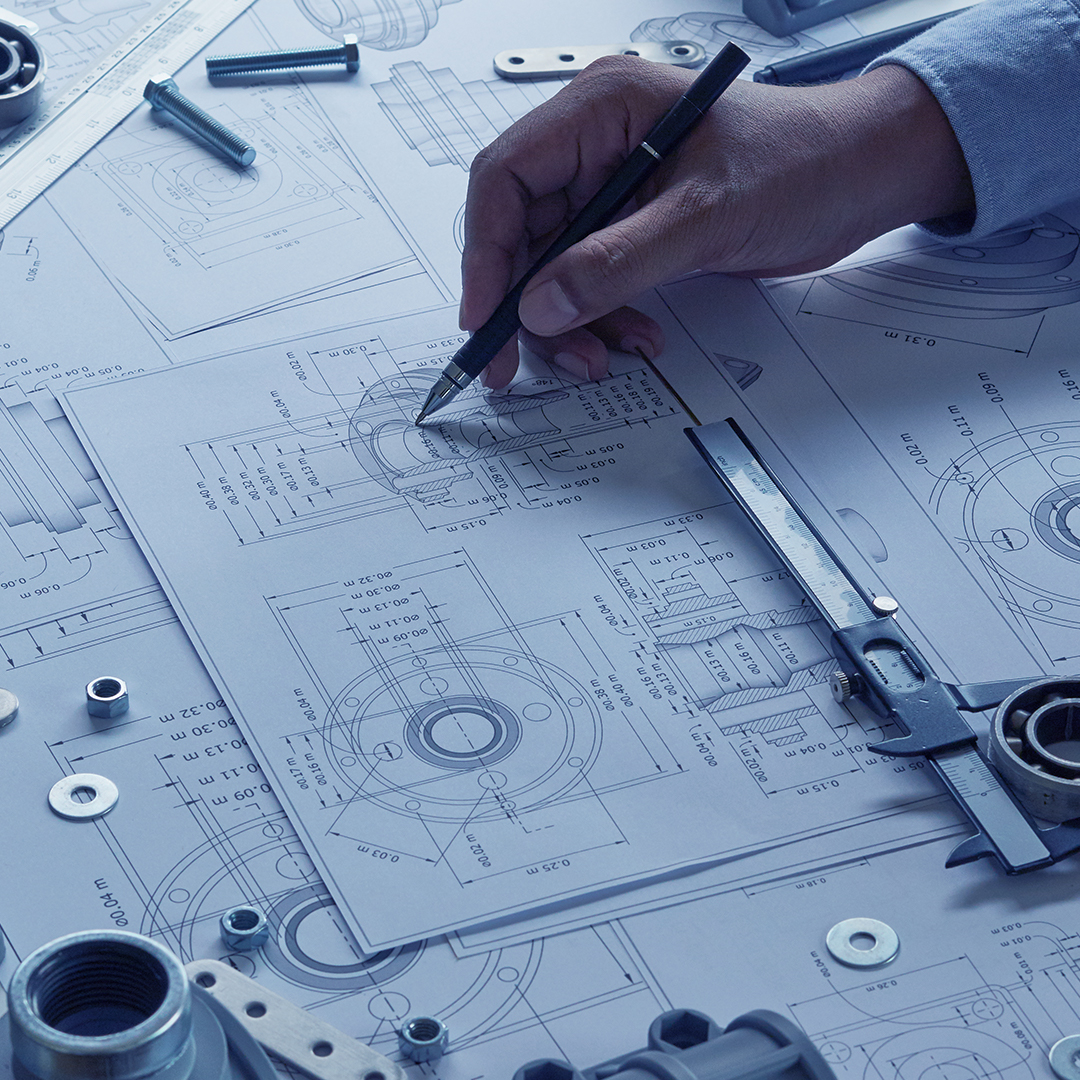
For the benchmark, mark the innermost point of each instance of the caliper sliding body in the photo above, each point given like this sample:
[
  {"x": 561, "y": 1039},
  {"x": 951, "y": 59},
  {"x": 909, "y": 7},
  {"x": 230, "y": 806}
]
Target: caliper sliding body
[{"x": 880, "y": 666}]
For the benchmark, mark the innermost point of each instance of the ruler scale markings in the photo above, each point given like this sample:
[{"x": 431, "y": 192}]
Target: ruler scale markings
[{"x": 49, "y": 143}]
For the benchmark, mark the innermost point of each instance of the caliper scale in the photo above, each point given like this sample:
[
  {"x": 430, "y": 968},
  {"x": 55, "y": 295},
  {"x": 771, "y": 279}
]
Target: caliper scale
[{"x": 880, "y": 666}]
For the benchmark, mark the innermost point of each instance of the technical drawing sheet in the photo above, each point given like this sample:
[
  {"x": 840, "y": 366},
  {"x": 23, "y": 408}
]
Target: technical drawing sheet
[{"x": 483, "y": 660}]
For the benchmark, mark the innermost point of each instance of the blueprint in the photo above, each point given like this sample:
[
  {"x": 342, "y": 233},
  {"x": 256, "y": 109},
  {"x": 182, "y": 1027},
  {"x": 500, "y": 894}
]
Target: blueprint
[
  {"x": 457, "y": 703},
  {"x": 949, "y": 399}
]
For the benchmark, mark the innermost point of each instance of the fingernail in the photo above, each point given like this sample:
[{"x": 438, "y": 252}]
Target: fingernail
[
  {"x": 576, "y": 365},
  {"x": 633, "y": 343},
  {"x": 546, "y": 310}
]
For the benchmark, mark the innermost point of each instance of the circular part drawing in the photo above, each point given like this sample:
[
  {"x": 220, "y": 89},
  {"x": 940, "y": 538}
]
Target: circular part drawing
[
  {"x": 946, "y": 1053},
  {"x": 83, "y": 796},
  {"x": 863, "y": 943},
  {"x": 1019, "y": 497},
  {"x": 423, "y": 463},
  {"x": 306, "y": 947},
  {"x": 422, "y": 735},
  {"x": 1018, "y": 272},
  {"x": 1035, "y": 744},
  {"x": 713, "y": 32},
  {"x": 379, "y": 24},
  {"x": 197, "y": 185},
  {"x": 311, "y": 951}
]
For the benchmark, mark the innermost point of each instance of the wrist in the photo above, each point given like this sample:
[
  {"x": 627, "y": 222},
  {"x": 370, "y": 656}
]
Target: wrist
[{"x": 912, "y": 166}]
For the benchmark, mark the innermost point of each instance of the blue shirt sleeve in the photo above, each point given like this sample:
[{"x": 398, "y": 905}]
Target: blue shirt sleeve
[{"x": 1007, "y": 75}]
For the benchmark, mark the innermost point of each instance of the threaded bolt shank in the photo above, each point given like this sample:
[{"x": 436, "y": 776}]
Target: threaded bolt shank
[
  {"x": 347, "y": 53},
  {"x": 162, "y": 93}
]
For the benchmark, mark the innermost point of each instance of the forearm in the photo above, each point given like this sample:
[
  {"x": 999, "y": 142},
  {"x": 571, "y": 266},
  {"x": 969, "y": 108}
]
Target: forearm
[{"x": 1007, "y": 75}]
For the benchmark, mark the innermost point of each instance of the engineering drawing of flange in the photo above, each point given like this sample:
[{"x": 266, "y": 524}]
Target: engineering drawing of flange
[
  {"x": 474, "y": 734},
  {"x": 1021, "y": 514},
  {"x": 22, "y": 72},
  {"x": 424, "y": 463},
  {"x": 1013, "y": 273}
]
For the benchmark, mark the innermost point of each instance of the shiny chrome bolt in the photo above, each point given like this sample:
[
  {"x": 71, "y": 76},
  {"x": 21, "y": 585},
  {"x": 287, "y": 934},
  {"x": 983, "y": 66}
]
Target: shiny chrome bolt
[
  {"x": 163, "y": 94},
  {"x": 347, "y": 53}
]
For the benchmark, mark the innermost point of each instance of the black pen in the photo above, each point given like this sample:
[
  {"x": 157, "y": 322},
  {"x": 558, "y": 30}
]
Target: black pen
[
  {"x": 828, "y": 65},
  {"x": 680, "y": 120}
]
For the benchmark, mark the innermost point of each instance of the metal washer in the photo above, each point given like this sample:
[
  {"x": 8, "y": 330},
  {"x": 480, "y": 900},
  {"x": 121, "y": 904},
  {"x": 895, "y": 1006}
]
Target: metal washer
[
  {"x": 1065, "y": 1058},
  {"x": 62, "y": 801},
  {"x": 883, "y": 951}
]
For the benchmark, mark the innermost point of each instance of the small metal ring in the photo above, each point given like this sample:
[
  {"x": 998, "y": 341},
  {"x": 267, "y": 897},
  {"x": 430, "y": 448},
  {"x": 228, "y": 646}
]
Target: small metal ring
[
  {"x": 1065, "y": 1058},
  {"x": 62, "y": 801},
  {"x": 840, "y": 938}
]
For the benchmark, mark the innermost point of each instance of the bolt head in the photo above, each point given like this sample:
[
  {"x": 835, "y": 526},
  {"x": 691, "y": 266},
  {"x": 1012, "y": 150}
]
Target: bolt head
[
  {"x": 244, "y": 928},
  {"x": 106, "y": 697},
  {"x": 351, "y": 44},
  {"x": 155, "y": 85}
]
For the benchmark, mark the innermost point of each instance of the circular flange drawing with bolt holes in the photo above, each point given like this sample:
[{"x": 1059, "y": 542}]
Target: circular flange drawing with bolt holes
[
  {"x": 475, "y": 735},
  {"x": 1020, "y": 496},
  {"x": 311, "y": 957}
]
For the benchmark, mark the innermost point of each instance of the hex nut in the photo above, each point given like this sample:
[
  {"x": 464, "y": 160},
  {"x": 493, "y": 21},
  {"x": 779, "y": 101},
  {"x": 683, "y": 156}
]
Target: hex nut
[
  {"x": 244, "y": 928},
  {"x": 106, "y": 697},
  {"x": 423, "y": 1038}
]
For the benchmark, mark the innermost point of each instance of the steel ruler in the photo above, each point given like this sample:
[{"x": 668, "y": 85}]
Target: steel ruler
[{"x": 43, "y": 147}]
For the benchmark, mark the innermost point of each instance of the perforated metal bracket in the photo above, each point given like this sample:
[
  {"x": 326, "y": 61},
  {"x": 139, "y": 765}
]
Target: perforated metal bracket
[
  {"x": 569, "y": 60},
  {"x": 293, "y": 1034}
]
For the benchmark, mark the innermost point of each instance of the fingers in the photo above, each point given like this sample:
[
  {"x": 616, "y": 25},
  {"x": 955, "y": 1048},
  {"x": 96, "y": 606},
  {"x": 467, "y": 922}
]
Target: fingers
[{"x": 680, "y": 230}]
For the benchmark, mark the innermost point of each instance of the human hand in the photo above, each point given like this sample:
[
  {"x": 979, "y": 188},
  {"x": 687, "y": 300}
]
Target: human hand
[{"x": 774, "y": 180}]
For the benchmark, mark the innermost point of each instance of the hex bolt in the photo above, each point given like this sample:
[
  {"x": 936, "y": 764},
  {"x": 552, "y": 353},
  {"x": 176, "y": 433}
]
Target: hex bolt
[
  {"x": 163, "y": 94},
  {"x": 423, "y": 1038},
  {"x": 244, "y": 928},
  {"x": 347, "y": 53},
  {"x": 106, "y": 697}
]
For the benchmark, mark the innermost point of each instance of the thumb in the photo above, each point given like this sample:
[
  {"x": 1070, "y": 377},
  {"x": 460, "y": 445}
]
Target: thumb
[{"x": 611, "y": 267}]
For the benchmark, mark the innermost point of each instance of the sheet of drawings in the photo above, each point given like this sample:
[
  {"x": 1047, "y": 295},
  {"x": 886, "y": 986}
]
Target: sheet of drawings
[
  {"x": 482, "y": 657},
  {"x": 150, "y": 253},
  {"x": 980, "y": 987}
]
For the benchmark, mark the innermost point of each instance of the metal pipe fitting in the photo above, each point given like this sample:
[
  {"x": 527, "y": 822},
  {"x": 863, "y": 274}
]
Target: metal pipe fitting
[
  {"x": 110, "y": 1005},
  {"x": 102, "y": 1004},
  {"x": 163, "y": 94},
  {"x": 347, "y": 53}
]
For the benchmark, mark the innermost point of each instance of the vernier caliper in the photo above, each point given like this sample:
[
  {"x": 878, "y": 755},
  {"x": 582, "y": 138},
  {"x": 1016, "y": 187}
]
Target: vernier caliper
[{"x": 879, "y": 665}]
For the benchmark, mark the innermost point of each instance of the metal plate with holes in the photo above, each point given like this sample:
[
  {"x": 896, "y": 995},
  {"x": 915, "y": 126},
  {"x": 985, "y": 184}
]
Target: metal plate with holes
[
  {"x": 569, "y": 60},
  {"x": 101, "y": 795},
  {"x": 865, "y": 943},
  {"x": 293, "y": 1034}
]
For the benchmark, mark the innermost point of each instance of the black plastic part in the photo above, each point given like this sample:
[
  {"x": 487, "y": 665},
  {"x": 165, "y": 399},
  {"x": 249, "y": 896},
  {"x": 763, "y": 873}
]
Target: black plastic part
[{"x": 685, "y": 1044}]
